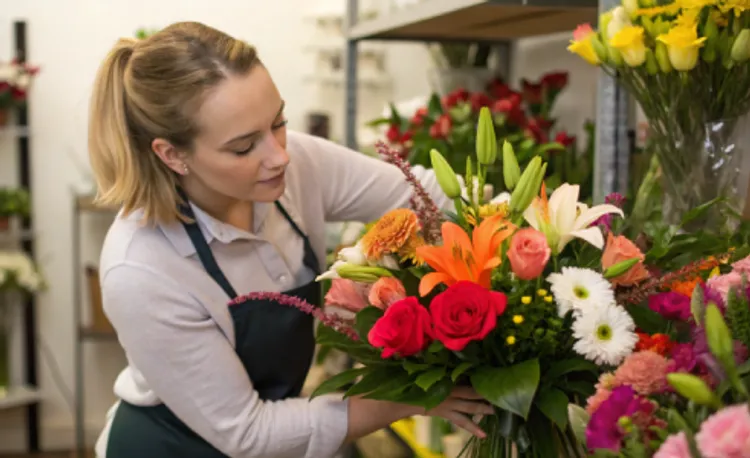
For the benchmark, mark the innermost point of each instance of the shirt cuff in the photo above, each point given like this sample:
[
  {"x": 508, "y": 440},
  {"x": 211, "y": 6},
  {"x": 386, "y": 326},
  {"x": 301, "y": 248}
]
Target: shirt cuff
[{"x": 331, "y": 425}]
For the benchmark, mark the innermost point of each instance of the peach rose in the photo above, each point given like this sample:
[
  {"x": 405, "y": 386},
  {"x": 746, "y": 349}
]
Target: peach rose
[
  {"x": 347, "y": 294},
  {"x": 528, "y": 253},
  {"x": 385, "y": 292},
  {"x": 620, "y": 249}
]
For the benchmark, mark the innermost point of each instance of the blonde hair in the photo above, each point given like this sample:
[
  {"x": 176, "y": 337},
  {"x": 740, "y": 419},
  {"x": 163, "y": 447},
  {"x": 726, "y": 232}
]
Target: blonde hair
[{"x": 148, "y": 89}]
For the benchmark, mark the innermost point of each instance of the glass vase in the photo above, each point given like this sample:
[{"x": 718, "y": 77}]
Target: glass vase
[{"x": 701, "y": 164}]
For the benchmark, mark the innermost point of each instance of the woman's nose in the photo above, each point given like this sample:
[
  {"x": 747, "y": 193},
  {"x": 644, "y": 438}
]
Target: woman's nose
[{"x": 277, "y": 155}]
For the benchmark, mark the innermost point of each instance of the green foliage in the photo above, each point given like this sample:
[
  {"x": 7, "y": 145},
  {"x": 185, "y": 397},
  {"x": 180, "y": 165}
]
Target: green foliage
[{"x": 14, "y": 202}]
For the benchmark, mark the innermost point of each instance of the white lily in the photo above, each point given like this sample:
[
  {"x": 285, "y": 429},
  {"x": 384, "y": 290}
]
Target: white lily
[
  {"x": 563, "y": 218},
  {"x": 355, "y": 256}
]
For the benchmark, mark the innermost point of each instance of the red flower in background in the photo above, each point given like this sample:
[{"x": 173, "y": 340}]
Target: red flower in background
[
  {"x": 418, "y": 118},
  {"x": 442, "y": 127},
  {"x": 658, "y": 343},
  {"x": 393, "y": 134},
  {"x": 538, "y": 129},
  {"x": 511, "y": 108},
  {"x": 564, "y": 139},
  {"x": 455, "y": 97},
  {"x": 497, "y": 89},
  {"x": 479, "y": 100},
  {"x": 533, "y": 93},
  {"x": 555, "y": 81}
]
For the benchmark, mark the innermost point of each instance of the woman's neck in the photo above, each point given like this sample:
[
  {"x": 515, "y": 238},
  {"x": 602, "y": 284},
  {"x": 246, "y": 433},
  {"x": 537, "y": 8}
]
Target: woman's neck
[{"x": 226, "y": 209}]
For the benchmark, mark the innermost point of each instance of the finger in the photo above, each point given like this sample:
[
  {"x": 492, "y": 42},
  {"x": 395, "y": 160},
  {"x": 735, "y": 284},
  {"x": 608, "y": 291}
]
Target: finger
[
  {"x": 470, "y": 408},
  {"x": 463, "y": 422},
  {"x": 465, "y": 392}
]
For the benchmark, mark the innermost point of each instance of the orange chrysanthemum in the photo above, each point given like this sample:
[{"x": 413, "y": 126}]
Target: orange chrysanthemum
[
  {"x": 408, "y": 252},
  {"x": 390, "y": 233}
]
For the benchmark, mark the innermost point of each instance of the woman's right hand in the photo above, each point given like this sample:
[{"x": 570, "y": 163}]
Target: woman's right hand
[{"x": 463, "y": 404}]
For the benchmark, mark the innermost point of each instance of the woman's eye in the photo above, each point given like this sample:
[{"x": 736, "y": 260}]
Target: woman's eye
[
  {"x": 280, "y": 124},
  {"x": 245, "y": 151}
]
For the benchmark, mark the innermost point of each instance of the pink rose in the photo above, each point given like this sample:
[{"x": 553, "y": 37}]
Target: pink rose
[
  {"x": 726, "y": 433},
  {"x": 676, "y": 446},
  {"x": 347, "y": 294},
  {"x": 723, "y": 283},
  {"x": 386, "y": 291},
  {"x": 528, "y": 253},
  {"x": 620, "y": 249}
]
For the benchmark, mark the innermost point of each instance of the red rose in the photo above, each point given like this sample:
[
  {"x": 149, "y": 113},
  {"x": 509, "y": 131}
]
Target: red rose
[
  {"x": 405, "y": 329},
  {"x": 465, "y": 312}
]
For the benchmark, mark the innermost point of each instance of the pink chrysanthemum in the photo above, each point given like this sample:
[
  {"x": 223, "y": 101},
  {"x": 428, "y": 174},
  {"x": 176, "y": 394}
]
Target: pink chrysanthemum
[
  {"x": 645, "y": 371},
  {"x": 676, "y": 446},
  {"x": 726, "y": 434}
]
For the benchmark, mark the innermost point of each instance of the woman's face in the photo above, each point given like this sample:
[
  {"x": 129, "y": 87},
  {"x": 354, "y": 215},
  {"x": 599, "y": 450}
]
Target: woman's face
[{"x": 240, "y": 152}]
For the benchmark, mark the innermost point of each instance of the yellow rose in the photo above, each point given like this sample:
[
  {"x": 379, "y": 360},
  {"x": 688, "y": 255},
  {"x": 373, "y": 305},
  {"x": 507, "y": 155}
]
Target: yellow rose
[
  {"x": 629, "y": 41},
  {"x": 683, "y": 45}
]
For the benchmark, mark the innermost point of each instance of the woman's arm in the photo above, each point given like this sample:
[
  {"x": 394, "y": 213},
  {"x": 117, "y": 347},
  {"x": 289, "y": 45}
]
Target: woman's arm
[{"x": 357, "y": 187}]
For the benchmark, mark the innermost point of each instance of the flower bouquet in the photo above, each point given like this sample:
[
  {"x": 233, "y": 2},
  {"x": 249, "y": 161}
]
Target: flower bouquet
[
  {"x": 684, "y": 392},
  {"x": 513, "y": 298},
  {"x": 687, "y": 65}
]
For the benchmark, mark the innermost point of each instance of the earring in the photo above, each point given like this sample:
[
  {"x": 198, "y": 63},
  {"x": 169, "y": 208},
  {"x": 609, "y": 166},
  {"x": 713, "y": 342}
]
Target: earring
[{"x": 185, "y": 169}]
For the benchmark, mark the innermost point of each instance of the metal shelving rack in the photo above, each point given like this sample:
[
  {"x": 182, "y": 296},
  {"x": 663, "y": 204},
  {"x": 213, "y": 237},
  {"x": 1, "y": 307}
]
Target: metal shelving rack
[
  {"x": 499, "y": 22},
  {"x": 27, "y": 395}
]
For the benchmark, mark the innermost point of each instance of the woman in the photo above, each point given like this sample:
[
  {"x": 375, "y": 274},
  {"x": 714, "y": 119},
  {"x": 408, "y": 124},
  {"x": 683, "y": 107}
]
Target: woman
[{"x": 187, "y": 133}]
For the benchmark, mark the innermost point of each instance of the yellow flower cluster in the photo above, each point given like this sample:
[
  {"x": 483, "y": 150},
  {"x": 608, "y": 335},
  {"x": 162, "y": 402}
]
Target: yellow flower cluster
[{"x": 675, "y": 36}]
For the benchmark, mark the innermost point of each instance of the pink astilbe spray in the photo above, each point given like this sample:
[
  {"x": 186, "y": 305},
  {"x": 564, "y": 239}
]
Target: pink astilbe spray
[
  {"x": 331, "y": 320},
  {"x": 427, "y": 211}
]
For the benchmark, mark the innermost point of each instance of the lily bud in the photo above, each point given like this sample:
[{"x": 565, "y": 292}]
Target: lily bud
[
  {"x": 525, "y": 192},
  {"x": 719, "y": 337},
  {"x": 578, "y": 419},
  {"x": 364, "y": 274},
  {"x": 353, "y": 255},
  {"x": 620, "y": 268},
  {"x": 486, "y": 144},
  {"x": 741, "y": 48},
  {"x": 710, "y": 29},
  {"x": 693, "y": 388},
  {"x": 662, "y": 57},
  {"x": 445, "y": 175},
  {"x": 599, "y": 49},
  {"x": 631, "y": 6},
  {"x": 511, "y": 171}
]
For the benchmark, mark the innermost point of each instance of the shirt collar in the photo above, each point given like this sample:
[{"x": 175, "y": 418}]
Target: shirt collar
[{"x": 213, "y": 229}]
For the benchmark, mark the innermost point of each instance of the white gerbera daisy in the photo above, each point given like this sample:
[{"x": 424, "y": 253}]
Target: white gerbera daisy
[
  {"x": 605, "y": 335},
  {"x": 580, "y": 289}
]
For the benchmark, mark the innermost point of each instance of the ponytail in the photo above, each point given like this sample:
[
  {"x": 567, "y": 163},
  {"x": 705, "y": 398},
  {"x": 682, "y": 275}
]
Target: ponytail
[{"x": 127, "y": 173}]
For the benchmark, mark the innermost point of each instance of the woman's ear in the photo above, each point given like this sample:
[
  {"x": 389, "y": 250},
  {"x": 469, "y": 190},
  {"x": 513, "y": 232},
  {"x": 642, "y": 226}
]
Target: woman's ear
[{"x": 169, "y": 155}]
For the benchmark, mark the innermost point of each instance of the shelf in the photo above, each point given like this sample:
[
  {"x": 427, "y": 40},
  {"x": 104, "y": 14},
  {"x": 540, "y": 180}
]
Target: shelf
[
  {"x": 14, "y": 131},
  {"x": 18, "y": 397},
  {"x": 490, "y": 20},
  {"x": 86, "y": 204},
  {"x": 15, "y": 236}
]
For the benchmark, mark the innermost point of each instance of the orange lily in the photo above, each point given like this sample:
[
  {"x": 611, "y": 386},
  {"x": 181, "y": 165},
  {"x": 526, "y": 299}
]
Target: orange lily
[{"x": 462, "y": 259}]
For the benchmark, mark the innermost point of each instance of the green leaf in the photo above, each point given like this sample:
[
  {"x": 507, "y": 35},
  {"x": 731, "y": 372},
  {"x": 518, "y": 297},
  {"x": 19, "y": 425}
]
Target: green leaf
[
  {"x": 365, "y": 320},
  {"x": 415, "y": 396},
  {"x": 553, "y": 403},
  {"x": 434, "y": 106},
  {"x": 412, "y": 367},
  {"x": 511, "y": 388},
  {"x": 698, "y": 211},
  {"x": 435, "y": 347},
  {"x": 646, "y": 319},
  {"x": 373, "y": 380},
  {"x": 566, "y": 366},
  {"x": 337, "y": 381},
  {"x": 460, "y": 370},
  {"x": 431, "y": 377}
]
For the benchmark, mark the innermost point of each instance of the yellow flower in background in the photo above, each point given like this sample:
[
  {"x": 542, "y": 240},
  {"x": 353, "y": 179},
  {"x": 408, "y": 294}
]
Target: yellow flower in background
[
  {"x": 671, "y": 10},
  {"x": 695, "y": 4},
  {"x": 582, "y": 44},
  {"x": 629, "y": 41},
  {"x": 736, "y": 6},
  {"x": 682, "y": 46},
  {"x": 687, "y": 18}
]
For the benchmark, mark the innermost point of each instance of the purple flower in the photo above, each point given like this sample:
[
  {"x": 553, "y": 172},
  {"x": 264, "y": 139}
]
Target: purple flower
[
  {"x": 603, "y": 430},
  {"x": 683, "y": 358},
  {"x": 712, "y": 296},
  {"x": 616, "y": 199},
  {"x": 671, "y": 305},
  {"x": 707, "y": 363}
]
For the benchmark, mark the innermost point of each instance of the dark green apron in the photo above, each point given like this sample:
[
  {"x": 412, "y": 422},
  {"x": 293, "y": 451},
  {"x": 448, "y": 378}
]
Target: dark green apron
[{"x": 274, "y": 342}]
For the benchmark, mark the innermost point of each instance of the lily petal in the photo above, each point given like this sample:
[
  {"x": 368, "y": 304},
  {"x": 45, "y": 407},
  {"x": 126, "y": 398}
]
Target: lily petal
[
  {"x": 563, "y": 206},
  {"x": 533, "y": 213},
  {"x": 594, "y": 213},
  {"x": 431, "y": 280},
  {"x": 593, "y": 235}
]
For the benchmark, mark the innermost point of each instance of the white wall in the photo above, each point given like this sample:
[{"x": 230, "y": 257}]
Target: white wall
[{"x": 68, "y": 38}]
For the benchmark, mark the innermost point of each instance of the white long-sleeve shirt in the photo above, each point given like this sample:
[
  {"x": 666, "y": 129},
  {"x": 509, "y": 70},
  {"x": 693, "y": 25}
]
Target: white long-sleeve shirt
[{"x": 173, "y": 322}]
